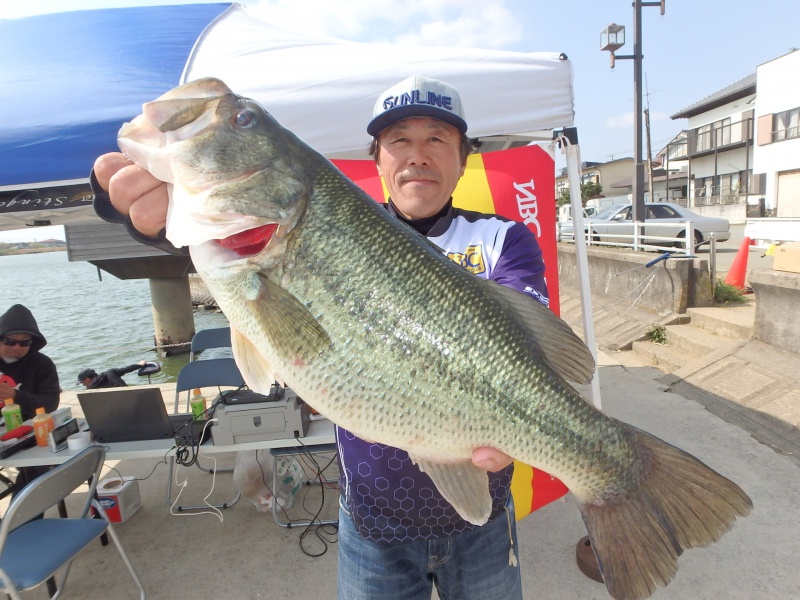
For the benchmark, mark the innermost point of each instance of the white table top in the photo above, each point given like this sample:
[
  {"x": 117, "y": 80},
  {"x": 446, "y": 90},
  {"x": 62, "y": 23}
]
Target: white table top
[{"x": 319, "y": 432}]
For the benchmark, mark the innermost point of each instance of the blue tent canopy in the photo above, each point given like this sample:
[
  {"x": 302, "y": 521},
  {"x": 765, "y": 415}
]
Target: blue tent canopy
[{"x": 75, "y": 77}]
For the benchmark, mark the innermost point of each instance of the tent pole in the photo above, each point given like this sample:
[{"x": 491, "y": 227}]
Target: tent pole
[{"x": 568, "y": 141}]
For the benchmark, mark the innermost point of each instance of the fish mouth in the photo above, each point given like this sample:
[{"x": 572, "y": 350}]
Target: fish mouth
[{"x": 250, "y": 241}]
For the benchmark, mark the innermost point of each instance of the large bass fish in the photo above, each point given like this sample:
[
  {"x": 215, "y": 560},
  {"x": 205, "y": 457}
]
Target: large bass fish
[{"x": 374, "y": 327}]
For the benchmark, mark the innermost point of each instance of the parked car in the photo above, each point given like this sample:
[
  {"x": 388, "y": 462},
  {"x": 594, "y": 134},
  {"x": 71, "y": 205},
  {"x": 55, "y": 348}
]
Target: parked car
[{"x": 669, "y": 220}]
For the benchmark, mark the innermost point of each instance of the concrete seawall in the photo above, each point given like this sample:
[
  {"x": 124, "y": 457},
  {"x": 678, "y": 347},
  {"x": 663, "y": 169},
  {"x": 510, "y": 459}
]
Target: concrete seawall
[{"x": 670, "y": 286}]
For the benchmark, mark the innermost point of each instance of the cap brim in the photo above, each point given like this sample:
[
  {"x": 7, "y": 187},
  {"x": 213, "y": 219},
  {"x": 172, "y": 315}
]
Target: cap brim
[{"x": 383, "y": 120}]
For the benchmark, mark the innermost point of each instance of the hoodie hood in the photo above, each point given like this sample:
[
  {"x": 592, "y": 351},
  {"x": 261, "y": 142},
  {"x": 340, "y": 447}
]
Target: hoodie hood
[{"x": 19, "y": 319}]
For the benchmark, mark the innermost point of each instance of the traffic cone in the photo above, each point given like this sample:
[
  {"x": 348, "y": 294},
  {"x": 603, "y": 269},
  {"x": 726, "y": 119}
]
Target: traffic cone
[{"x": 738, "y": 270}]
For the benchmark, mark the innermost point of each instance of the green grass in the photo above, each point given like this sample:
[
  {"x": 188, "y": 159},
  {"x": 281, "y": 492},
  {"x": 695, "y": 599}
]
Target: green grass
[
  {"x": 657, "y": 334},
  {"x": 725, "y": 293}
]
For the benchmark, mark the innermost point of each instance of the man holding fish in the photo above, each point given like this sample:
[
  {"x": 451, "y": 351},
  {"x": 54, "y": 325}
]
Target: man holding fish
[
  {"x": 420, "y": 147},
  {"x": 434, "y": 377}
]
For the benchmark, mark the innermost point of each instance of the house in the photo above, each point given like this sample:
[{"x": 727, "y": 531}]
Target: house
[
  {"x": 742, "y": 146},
  {"x": 606, "y": 174},
  {"x": 776, "y": 161},
  {"x": 719, "y": 151}
]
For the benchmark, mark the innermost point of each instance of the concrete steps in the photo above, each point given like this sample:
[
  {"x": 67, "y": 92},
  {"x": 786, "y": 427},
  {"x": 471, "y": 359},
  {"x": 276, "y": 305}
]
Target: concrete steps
[{"x": 710, "y": 333}]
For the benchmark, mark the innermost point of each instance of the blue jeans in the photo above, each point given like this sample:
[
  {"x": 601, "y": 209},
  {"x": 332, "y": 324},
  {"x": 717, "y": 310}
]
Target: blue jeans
[{"x": 468, "y": 566}]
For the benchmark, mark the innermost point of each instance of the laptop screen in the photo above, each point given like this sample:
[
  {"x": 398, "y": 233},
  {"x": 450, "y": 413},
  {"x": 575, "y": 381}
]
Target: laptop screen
[{"x": 126, "y": 414}]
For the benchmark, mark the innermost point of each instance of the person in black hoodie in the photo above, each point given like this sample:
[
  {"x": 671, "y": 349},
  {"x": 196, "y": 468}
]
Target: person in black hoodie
[{"x": 29, "y": 377}]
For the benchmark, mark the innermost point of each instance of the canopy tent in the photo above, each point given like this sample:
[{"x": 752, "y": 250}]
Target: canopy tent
[
  {"x": 64, "y": 97},
  {"x": 71, "y": 79}
]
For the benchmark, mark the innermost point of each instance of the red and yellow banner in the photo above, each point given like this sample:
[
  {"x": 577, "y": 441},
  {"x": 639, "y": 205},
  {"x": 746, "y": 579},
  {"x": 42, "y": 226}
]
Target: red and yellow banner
[{"x": 518, "y": 184}]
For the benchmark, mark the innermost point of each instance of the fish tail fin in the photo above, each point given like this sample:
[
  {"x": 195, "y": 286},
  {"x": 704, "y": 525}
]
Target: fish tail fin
[{"x": 679, "y": 503}]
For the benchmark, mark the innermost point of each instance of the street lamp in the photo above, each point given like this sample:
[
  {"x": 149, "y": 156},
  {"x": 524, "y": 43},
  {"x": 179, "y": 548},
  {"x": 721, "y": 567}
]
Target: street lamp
[{"x": 612, "y": 38}]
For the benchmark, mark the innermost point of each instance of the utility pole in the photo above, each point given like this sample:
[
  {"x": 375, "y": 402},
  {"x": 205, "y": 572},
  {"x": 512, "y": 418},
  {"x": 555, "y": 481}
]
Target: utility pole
[{"x": 649, "y": 154}]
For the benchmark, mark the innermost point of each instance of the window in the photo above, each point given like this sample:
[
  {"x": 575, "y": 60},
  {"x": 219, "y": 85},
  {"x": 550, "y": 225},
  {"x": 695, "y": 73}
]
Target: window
[
  {"x": 786, "y": 125},
  {"x": 661, "y": 212}
]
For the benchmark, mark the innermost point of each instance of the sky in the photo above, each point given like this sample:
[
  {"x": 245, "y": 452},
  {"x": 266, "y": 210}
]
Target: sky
[{"x": 697, "y": 48}]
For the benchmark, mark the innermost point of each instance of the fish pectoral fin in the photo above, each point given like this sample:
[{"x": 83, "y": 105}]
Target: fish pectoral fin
[
  {"x": 257, "y": 372},
  {"x": 291, "y": 328},
  {"x": 463, "y": 485},
  {"x": 563, "y": 350}
]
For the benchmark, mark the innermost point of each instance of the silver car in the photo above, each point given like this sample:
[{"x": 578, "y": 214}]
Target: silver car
[{"x": 614, "y": 225}]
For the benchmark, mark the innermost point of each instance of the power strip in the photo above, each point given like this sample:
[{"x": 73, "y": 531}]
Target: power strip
[{"x": 189, "y": 434}]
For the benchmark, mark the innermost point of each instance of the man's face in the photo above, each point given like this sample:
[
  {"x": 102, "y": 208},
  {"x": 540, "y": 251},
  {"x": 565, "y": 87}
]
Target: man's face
[
  {"x": 11, "y": 354},
  {"x": 420, "y": 161}
]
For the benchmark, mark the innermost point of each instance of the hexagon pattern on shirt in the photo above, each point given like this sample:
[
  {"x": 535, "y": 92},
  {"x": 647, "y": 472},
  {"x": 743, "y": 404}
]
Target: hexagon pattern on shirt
[{"x": 411, "y": 508}]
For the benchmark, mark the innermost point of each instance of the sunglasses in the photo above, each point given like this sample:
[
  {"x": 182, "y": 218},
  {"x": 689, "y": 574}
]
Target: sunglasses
[{"x": 22, "y": 343}]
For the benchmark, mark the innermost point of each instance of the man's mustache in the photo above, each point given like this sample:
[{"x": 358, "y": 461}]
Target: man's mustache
[{"x": 412, "y": 174}]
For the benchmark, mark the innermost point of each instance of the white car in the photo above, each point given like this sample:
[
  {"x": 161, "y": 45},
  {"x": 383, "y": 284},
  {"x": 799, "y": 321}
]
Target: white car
[{"x": 669, "y": 220}]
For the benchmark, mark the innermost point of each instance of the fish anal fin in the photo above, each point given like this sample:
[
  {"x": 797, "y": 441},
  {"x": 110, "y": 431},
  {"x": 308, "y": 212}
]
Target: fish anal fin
[
  {"x": 679, "y": 503},
  {"x": 289, "y": 326},
  {"x": 463, "y": 485}
]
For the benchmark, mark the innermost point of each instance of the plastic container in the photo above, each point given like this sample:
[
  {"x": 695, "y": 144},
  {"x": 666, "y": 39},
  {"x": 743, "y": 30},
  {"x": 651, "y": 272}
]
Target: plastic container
[
  {"x": 119, "y": 498},
  {"x": 198, "y": 405},
  {"x": 43, "y": 424},
  {"x": 12, "y": 414}
]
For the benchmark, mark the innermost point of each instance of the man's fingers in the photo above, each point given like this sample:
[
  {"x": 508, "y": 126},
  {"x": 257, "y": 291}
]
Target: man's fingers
[
  {"x": 149, "y": 213},
  {"x": 134, "y": 192},
  {"x": 490, "y": 459},
  {"x": 106, "y": 166}
]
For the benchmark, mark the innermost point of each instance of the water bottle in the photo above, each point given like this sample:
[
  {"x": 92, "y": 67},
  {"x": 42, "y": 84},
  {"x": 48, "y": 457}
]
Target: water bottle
[
  {"x": 43, "y": 424},
  {"x": 198, "y": 405},
  {"x": 12, "y": 413}
]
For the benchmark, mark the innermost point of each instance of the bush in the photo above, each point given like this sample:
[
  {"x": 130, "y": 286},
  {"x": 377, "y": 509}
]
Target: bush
[
  {"x": 657, "y": 334},
  {"x": 724, "y": 293}
]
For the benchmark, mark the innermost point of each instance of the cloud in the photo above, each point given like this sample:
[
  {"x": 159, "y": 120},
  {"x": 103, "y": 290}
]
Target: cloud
[
  {"x": 466, "y": 23},
  {"x": 619, "y": 121},
  {"x": 485, "y": 27}
]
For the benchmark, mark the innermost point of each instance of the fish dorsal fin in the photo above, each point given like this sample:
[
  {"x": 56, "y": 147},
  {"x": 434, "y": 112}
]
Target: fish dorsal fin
[
  {"x": 291, "y": 329},
  {"x": 256, "y": 370},
  {"x": 561, "y": 347},
  {"x": 463, "y": 485}
]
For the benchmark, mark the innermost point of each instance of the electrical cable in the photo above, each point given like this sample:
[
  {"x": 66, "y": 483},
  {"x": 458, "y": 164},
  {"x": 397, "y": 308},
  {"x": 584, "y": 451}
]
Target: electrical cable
[{"x": 319, "y": 529}]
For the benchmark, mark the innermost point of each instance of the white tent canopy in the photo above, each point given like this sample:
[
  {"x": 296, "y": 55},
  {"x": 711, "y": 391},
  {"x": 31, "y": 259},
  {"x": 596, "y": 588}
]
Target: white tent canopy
[{"x": 324, "y": 89}]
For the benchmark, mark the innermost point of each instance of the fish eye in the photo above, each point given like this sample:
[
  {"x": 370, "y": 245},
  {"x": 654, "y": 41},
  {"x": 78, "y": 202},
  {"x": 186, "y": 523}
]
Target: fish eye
[{"x": 245, "y": 118}]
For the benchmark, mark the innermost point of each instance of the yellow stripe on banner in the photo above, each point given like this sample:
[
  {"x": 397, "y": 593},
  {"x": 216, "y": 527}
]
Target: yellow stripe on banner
[
  {"x": 472, "y": 191},
  {"x": 522, "y": 489}
]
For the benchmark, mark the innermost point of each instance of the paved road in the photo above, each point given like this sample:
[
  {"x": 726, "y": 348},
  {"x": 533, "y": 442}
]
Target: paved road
[{"x": 726, "y": 253}]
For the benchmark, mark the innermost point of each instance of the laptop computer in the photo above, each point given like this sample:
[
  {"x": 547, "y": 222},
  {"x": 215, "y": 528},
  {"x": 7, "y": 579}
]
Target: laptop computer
[{"x": 129, "y": 414}]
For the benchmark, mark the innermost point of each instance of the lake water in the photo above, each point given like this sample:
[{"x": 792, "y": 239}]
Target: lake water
[{"x": 88, "y": 322}]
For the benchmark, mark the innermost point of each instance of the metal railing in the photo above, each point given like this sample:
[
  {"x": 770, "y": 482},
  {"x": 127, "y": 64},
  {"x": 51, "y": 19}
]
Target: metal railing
[{"x": 644, "y": 237}]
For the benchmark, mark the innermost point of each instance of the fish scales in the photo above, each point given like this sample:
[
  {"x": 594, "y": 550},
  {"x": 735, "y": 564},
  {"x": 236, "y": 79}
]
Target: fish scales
[{"x": 378, "y": 330}]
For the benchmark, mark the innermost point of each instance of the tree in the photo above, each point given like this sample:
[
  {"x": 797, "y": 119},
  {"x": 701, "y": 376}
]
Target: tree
[{"x": 588, "y": 190}]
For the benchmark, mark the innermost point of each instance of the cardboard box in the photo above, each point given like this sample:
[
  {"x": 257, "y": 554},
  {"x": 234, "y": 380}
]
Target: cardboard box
[
  {"x": 787, "y": 257},
  {"x": 119, "y": 498}
]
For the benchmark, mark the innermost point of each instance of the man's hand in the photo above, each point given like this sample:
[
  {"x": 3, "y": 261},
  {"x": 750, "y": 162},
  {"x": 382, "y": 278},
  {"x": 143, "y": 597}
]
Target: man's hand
[
  {"x": 134, "y": 192},
  {"x": 7, "y": 391},
  {"x": 490, "y": 459}
]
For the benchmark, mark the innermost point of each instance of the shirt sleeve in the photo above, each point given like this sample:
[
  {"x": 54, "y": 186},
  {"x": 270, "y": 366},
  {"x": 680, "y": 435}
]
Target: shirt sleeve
[
  {"x": 46, "y": 392},
  {"x": 521, "y": 266},
  {"x": 125, "y": 370}
]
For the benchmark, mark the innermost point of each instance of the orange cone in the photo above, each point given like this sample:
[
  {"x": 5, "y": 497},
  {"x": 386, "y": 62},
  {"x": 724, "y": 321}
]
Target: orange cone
[{"x": 738, "y": 270}]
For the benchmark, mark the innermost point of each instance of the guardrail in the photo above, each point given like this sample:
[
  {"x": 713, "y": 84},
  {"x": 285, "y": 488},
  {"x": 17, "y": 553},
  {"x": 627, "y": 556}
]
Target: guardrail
[{"x": 643, "y": 237}]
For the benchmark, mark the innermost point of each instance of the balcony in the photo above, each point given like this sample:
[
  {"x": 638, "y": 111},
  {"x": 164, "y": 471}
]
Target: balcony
[{"x": 723, "y": 137}]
